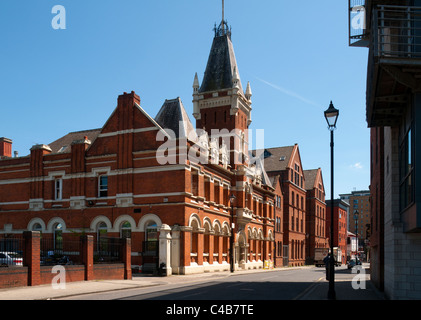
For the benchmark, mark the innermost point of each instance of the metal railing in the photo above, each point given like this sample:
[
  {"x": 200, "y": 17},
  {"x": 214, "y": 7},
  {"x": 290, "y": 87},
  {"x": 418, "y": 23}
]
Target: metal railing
[
  {"x": 150, "y": 255},
  {"x": 397, "y": 31},
  {"x": 107, "y": 250},
  {"x": 11, "y": 250},
  {"x": 60, "y": 251}
]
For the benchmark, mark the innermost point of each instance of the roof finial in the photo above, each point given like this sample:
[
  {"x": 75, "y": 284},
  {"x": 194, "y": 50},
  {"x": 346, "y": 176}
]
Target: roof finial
[
  {"x": 223, "y": 28},
  {"x": 223, "y": 16}
]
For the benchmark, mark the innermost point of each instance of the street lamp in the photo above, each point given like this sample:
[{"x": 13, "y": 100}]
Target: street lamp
[
  {"x": 232, "y": 200},
  {"x": 356, "y": 234},
  {"x": 331, "y": 116}
]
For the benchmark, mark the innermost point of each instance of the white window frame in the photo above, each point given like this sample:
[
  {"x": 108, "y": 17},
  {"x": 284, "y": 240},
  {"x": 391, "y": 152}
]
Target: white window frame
[
  {"x": 101, "y": 189},
  {"x": 58, "y": 189}
]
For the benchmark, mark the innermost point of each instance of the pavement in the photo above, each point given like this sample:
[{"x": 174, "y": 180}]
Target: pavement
[
  {"x": 355, "y": 285},
  {"x": 344, "y": 289}
]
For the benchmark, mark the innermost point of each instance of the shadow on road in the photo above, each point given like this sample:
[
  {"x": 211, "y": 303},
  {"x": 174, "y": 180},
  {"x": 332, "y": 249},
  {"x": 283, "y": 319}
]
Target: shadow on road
[{"x": 231, "y": 291}]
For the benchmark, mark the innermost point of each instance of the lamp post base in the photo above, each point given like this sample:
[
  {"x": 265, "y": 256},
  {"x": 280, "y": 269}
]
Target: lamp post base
[{"x": 331, "y": 295}]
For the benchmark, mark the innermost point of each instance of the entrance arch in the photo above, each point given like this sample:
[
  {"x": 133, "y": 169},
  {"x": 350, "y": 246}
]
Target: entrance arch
[{"x": 241, "y": 250}]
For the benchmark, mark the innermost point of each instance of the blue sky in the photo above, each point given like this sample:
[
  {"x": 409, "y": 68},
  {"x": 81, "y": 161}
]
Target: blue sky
[{"x": 294, "y": 53}]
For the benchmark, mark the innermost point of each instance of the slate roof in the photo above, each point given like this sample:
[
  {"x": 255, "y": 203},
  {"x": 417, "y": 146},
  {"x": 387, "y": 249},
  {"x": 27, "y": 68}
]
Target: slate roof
[
  {"x": 64, "y": 144},
  {"x": 274, "y": 180},
  {"x": 264, "y": 176},
  {"x": 173, "y": 116},
  {"x": 220, "y": 68},
  {"x": 276, "y": 159},
  {"x": 310, "y": 178}
]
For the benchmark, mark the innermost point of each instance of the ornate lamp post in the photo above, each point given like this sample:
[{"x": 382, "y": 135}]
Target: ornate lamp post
[
  {"x": 331, "y": 116},
  {"x": 232, "y": 200}
]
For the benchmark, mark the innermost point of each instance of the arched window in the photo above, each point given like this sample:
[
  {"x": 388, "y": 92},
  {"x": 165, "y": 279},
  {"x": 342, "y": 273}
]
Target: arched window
[
  {"x": 37, "y": 227},
  {"x": 216, "y": 242},
  {"x": 102, "y": 230},
  {"x": 151, "y": 232},
  {"x": 58, "y": 237},
  {"x": 126, "y": 230},
  {"x": 206, "y": 246},
  {"x": 194, "y": 237},
  {"x": 102, "y": 244}
]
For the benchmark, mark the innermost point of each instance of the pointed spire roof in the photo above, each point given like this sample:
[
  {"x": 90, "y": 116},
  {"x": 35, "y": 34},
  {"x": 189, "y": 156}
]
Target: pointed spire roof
[
  {"x": 248, "y": 91},
  {"x": 173, "y": 116},
  {"x": 196, "y": 81},
  {"x": 222, "y": 68}
]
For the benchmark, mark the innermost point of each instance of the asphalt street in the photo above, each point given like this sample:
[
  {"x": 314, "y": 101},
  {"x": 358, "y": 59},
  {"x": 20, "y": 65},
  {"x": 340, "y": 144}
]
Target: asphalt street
[{"x": 282, "y": 284}]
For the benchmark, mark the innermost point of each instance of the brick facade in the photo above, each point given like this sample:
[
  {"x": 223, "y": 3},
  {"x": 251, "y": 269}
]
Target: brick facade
[
  {"x": 340, "y": 225},
  {"x": 33, "y": 273},
  {"x": 315, "y": 213},
  {"x": 145, "y": 177},
  {"x": 98, "y": 181},
  {"x": 285, "y": 162}
]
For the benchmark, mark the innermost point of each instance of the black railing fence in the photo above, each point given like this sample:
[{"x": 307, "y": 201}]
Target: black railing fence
[
  {"x": 60, "y": 251},
  {"x": 107, "y": 250},
  {"x": 12, "y": 248}
]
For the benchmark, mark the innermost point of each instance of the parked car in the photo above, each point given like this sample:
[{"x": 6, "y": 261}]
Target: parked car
[
  {"x": 351, "y": 263},
  {"x": 10, "y": 259}
]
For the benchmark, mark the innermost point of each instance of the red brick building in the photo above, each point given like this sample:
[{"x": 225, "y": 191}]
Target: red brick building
[
  {"x": 340, "y": 225},
  {"x": 285, "y": 162},
  {"x": 151, "y": 178},
  {"x": 315, "y": 213},
  {"x": 281, "y": 250}
]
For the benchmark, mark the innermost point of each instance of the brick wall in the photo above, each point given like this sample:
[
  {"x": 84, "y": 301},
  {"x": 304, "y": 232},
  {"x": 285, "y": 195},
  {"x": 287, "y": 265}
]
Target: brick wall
[
  {"x": 402, "y": 256},
  {"x": 33, "y": 274}
]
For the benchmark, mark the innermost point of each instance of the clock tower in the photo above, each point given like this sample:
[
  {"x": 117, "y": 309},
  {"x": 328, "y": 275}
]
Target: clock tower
[{"x": 220, "y": 105}]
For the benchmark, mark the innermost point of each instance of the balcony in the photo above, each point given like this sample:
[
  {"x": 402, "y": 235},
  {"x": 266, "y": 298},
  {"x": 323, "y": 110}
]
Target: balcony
[
  {"x": 394, "y": 65},
  {"x": 358, "y": 35},
  {"x": 397, "y": 32}
]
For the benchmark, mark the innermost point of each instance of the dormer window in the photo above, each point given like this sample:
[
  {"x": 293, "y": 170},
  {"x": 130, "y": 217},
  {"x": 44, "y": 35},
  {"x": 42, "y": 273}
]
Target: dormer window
[{"x": 62, "y": 149}]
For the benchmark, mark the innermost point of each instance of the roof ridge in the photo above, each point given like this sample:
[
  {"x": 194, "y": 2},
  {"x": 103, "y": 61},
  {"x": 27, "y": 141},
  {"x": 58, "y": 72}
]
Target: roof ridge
[{"x": 87, "y": 130}]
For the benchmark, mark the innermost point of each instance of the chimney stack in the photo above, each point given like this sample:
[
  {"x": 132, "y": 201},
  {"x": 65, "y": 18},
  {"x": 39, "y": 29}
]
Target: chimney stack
[{"x": 5, "y": 148}]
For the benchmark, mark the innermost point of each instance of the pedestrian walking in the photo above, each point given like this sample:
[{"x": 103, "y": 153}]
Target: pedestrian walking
[{"x": 326, "y": 260}]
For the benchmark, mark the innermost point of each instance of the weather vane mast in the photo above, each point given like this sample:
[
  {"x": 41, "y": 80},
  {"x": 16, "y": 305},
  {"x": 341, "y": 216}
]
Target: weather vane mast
[
  {"x": 223, "y": 28},
  {"x": 223, "y": 14}
]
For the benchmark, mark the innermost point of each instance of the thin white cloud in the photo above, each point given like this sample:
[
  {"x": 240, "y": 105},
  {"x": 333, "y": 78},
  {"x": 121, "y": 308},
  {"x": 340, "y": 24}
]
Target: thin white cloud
[
  {"x": 288, "y": 92},
  {"x": 357, "y": 165}
]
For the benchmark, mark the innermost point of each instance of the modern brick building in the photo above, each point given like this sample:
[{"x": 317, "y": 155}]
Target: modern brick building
[
  {"x": 377, "y": 207},
  {"x": 155, "y": 178},
  {"x": 390, "y": 30},
  {"x": 360, "y": 202}
]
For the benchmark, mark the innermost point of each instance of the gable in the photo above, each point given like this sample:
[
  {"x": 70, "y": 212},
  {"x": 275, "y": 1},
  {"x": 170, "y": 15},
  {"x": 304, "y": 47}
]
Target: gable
[
  {"x": 296, "y": 160},
  {"x": 128, "y": 126}
]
